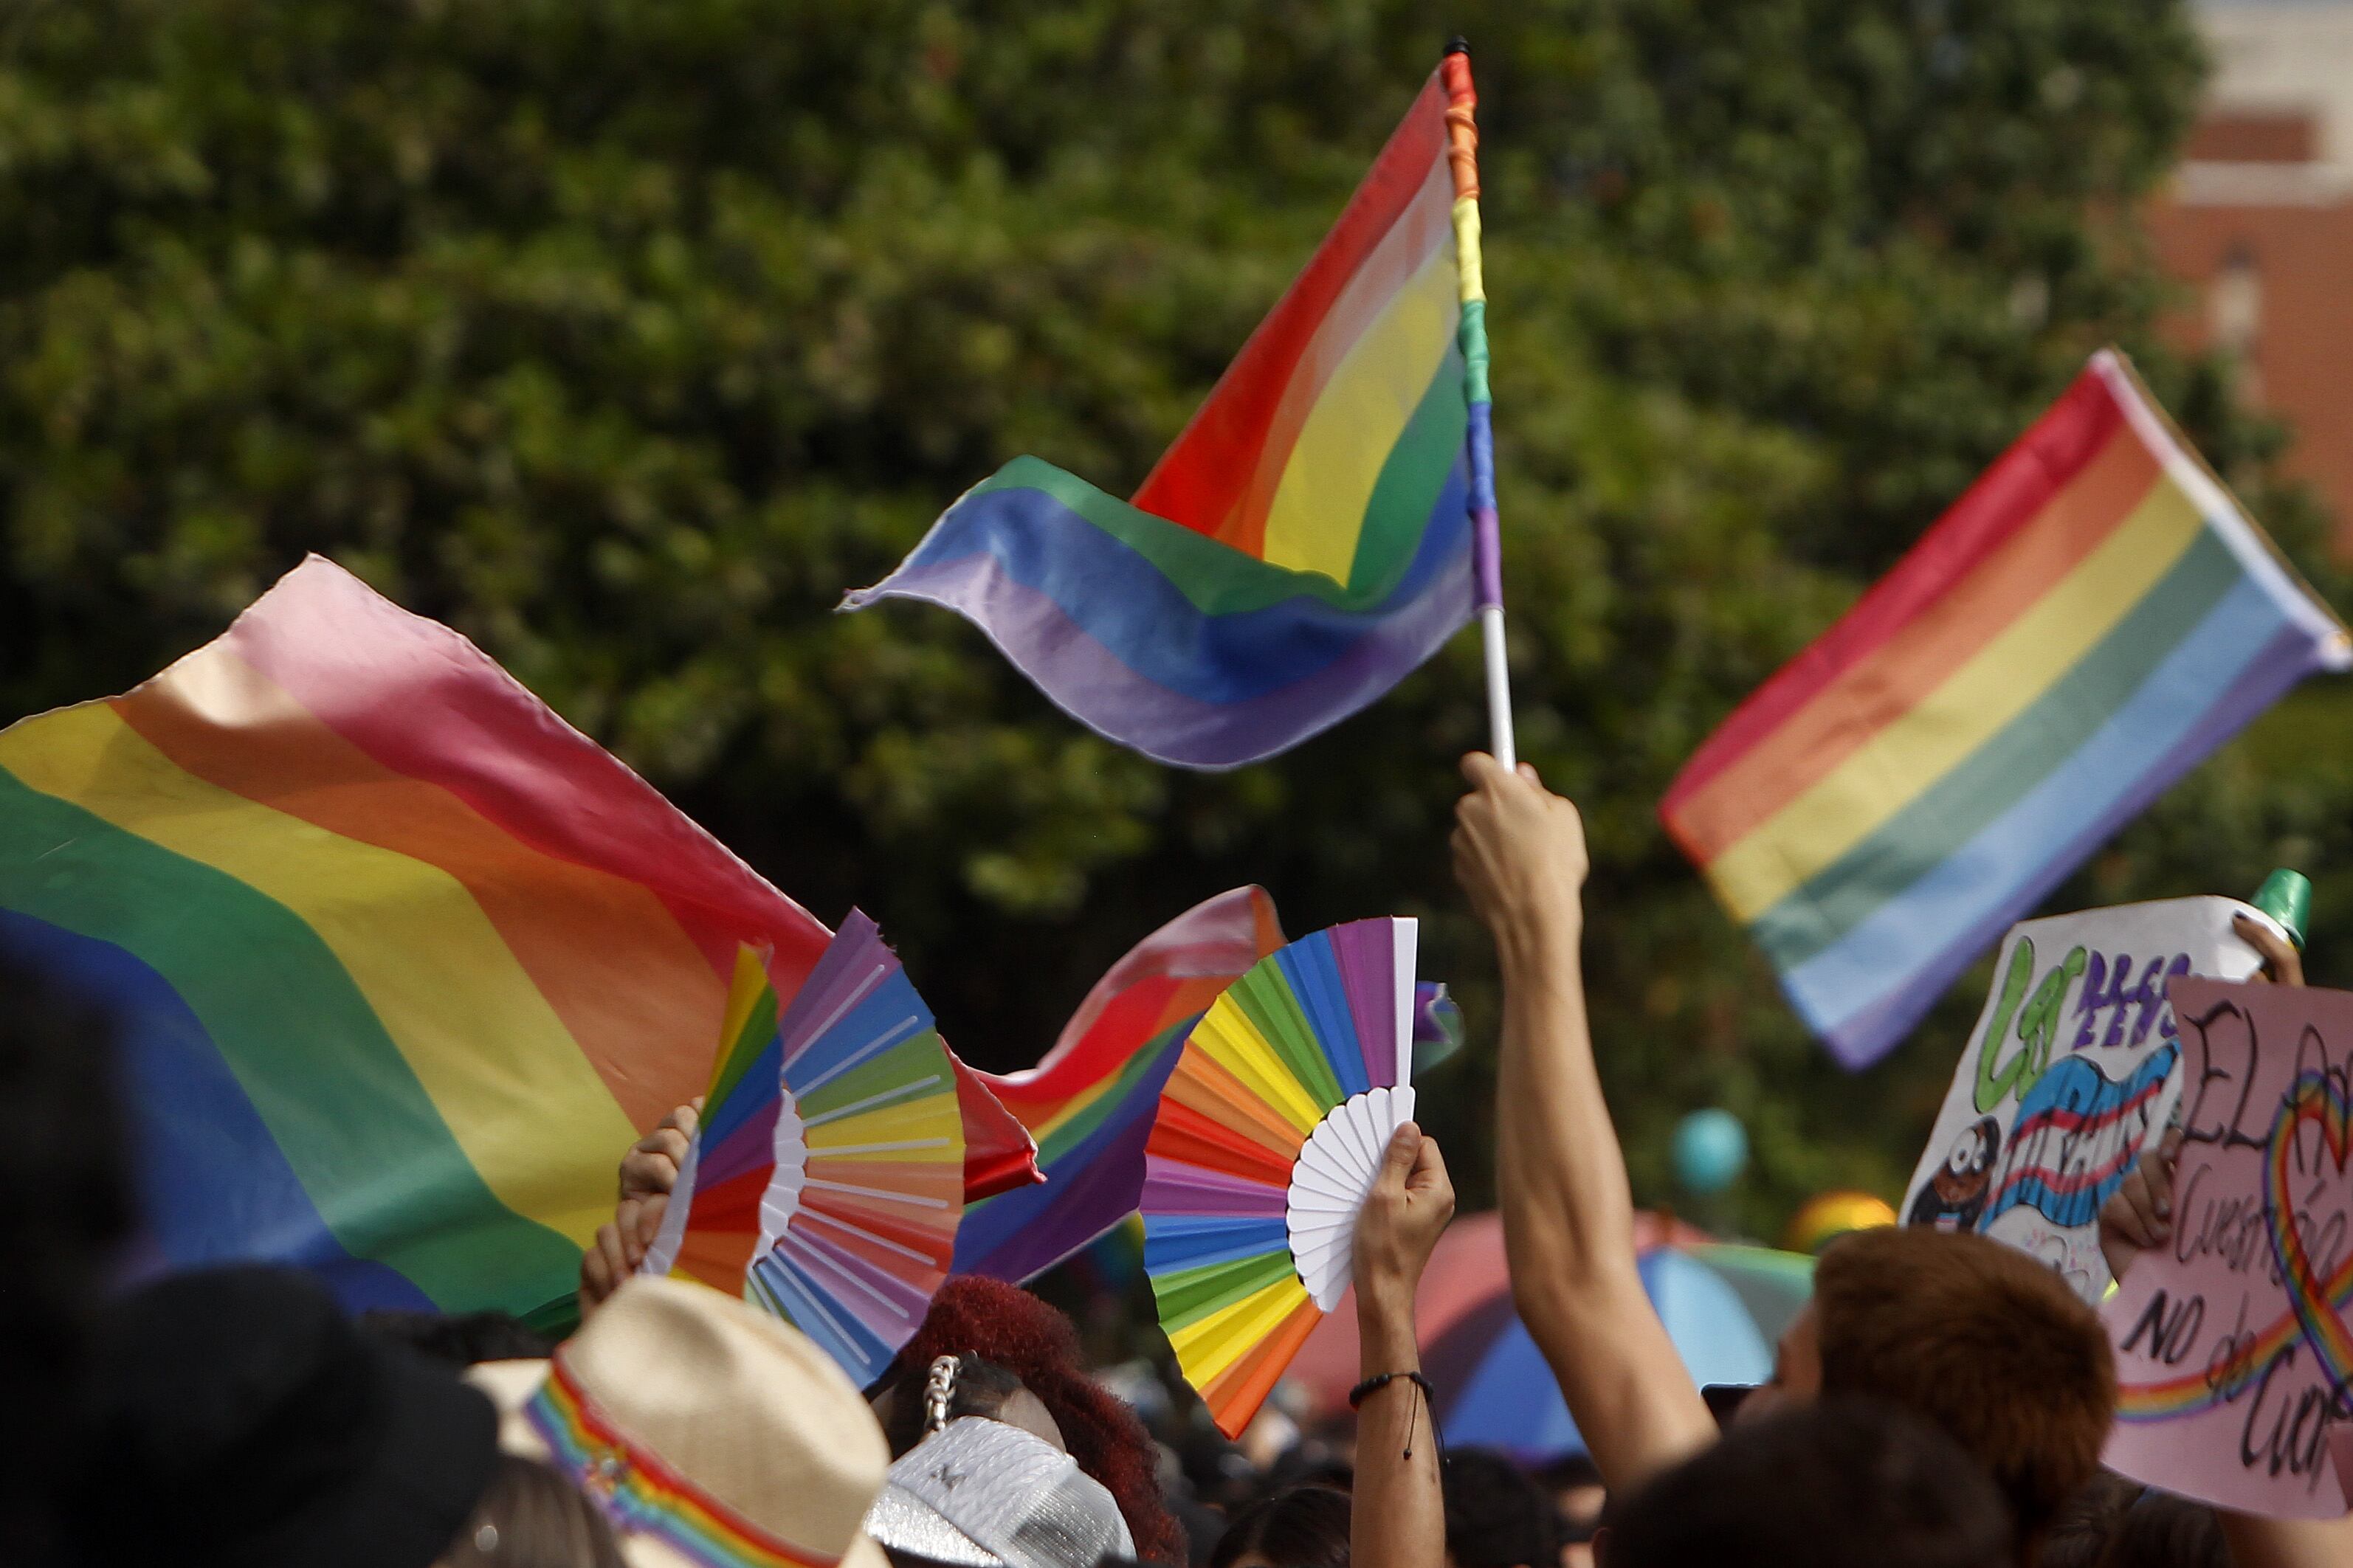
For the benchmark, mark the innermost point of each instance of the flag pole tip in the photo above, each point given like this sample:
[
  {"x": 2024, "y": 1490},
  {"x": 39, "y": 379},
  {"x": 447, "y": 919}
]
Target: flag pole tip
[{"x": 1458, "y": 45}]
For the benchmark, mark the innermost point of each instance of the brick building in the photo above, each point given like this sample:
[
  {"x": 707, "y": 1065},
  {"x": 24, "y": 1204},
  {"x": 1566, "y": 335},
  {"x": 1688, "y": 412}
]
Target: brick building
[{"x": 2259, "y": 220}]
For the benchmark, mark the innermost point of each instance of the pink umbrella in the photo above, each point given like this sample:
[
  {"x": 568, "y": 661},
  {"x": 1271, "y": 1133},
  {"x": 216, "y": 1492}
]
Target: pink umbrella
[{"x": 1465, "y": 1274}]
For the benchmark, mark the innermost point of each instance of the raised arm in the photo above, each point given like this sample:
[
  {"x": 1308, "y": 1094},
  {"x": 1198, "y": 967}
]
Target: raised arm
[
  {"x": 1568, "y": 1214},
  {"x": 1397, "y": 1516}
]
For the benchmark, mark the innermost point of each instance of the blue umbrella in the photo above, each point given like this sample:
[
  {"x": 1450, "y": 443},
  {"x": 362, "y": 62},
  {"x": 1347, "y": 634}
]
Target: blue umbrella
[{"x": 1722, "y": 1306}]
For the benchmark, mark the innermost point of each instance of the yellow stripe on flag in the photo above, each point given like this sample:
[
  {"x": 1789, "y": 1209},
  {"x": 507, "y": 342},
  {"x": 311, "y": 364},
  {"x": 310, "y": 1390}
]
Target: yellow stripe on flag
[
  {"x": 1892, "y": 769},
  {"x": 1320, "y": 503},
  {"x": 522, "y": 1102}
]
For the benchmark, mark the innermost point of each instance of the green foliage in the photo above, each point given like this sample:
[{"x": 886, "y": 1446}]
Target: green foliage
[{"x": 626, "y": 334}]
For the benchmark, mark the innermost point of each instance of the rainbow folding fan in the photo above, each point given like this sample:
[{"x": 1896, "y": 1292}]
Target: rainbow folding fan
[
  {"x": 1269, "y": 1134},
  {"x": 826, "y": 1180}
]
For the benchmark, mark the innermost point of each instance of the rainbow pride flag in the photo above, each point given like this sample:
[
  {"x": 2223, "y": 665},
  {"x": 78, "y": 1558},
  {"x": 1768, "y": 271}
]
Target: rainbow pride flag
[
  {"x": 1090, "y": 1102},
  {"x": 2089, "y": 620},
  {"x": 403, "y": 962},
  {"x": 1307, "y": 541}
]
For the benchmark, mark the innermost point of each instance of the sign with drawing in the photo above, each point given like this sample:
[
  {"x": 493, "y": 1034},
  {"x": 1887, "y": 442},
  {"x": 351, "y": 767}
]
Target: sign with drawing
[
  {"x": 2234, "y": 1351},
  {"x": 2070, "y": 1066}
]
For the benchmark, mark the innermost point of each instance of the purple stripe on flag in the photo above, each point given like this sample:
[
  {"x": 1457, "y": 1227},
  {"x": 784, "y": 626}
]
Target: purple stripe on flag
[{"x": 1083, "y": 677}]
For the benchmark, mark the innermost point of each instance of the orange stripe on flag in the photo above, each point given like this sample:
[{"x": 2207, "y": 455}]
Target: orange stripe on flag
[
  {"x": 217, "y": 718},
  {"x": 1839, "y": 719}
]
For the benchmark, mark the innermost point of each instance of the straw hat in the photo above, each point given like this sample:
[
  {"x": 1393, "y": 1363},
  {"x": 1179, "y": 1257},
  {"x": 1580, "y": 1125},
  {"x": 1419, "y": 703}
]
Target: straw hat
[{"x": 711, "y": 1433}]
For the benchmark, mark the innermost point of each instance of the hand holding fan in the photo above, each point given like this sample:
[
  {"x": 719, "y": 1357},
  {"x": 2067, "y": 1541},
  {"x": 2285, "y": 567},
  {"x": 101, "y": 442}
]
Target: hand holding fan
[
  {"x": 826, "y": 1179},
  {"x": 1269, "y": 1134}
]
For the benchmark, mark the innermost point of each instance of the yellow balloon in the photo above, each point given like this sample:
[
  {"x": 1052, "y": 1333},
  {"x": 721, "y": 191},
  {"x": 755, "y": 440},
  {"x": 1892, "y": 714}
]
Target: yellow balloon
[{"x": 1826, "y": 1216}]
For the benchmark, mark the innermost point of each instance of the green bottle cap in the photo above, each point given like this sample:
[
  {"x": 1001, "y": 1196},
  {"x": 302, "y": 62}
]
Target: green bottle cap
[{"x": 2286, "y": 897}]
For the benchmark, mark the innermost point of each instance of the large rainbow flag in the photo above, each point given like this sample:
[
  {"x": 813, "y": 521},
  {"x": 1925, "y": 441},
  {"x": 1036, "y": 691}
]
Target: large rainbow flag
[
  {"x": 1307, "y": 541},
  {"x": 2089, "y": 620},
  {"x": 403, "y": 962},
  {"x": 1090, "y": 1102}
]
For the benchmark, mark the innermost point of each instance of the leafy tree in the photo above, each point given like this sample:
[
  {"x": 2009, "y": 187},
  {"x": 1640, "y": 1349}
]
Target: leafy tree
[{"x": 626, "y": 334}]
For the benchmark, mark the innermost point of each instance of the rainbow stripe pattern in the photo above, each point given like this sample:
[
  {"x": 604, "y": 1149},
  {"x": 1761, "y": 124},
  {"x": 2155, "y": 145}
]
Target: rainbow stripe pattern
[
  {"x": 1090, "y": 1102},
  {"x": 641, "y": 1495},
  {"x": 403, "y": 961},
  {"x": 825, "y": 1179},
  {"x": 2317, "y": 1097},
  {"x": 2089, "y": 620},
  {"x": 1272, "y": 1128},
  {"x": 2316, "y": 1305},
  {"x": 1307, "y": 541}
]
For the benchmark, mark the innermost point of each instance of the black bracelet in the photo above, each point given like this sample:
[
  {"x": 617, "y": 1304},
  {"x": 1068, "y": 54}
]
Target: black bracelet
[{"x": 1372, "y": 1385}]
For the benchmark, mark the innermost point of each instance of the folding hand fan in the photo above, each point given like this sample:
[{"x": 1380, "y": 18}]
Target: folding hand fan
[
  {"x": 826, "y": 1179},
  {"x": 1269, "y": 1134}
]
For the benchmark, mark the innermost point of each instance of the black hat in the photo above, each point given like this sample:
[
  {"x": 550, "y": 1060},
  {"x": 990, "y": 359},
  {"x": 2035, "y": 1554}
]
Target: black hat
[{"x": 235, "y": 1416}]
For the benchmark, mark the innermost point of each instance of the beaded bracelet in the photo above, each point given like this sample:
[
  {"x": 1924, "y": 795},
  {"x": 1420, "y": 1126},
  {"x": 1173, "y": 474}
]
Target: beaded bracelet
[{"x": 1372, "y": 1385}]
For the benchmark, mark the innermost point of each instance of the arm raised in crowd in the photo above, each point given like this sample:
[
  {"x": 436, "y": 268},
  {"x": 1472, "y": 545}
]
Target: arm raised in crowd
[
  {"x": 1397, "y": 1517},
  {"x": 1568, "y": 1213}
]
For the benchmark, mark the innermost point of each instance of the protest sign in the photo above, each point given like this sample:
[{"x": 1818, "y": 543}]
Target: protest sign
[
  {"x": 2071, "y": 1066},
  {"x": 2234, "y": 1348}
]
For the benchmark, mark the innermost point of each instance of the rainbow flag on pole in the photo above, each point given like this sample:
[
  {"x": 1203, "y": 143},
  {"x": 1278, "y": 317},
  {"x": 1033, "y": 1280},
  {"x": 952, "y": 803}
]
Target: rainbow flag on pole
[
  {"x": 1091, "y": 1101},
  {"x": 1308, "y": 540},
  {"x": 403, "y": 962},
  {"x": 2089, "y": 620}
]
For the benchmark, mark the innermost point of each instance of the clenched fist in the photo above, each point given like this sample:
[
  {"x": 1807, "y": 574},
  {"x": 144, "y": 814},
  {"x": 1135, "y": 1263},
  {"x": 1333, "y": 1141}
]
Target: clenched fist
[{"x": 1411, "y": 1200}]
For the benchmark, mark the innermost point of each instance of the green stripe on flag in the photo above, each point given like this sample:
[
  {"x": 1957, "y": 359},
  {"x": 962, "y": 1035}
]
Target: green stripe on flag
[
  {"x": 1412, "y": 478},
  {"x": 346, "y": 1109},
  {"x": 1998, "y": 774}
]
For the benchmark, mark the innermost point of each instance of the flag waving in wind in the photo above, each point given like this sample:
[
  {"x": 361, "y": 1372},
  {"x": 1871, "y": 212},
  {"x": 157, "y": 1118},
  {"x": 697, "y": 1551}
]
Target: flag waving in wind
[
  {"x": 1308, "y": 541},
  {"x": 2089, "y": 620}
]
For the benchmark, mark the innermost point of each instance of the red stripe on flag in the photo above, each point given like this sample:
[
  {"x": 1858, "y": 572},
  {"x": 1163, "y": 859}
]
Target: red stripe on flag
[
  {"x": 1203, "y": 476},
  {"x": 2004, "y": 499},
  {"x": 424, "y": 701}
]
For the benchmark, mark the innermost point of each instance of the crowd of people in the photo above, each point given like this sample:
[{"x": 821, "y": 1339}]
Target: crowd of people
[{"x": 1942, "y": 1400}]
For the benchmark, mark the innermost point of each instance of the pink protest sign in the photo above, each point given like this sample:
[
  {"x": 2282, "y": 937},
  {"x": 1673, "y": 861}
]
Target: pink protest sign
[{"x": 2235, "y": 1350}]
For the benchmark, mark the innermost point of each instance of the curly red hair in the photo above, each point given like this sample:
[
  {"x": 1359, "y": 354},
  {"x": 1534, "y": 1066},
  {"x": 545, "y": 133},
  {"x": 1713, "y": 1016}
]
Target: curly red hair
[{"x": 1004, "y": 1323}]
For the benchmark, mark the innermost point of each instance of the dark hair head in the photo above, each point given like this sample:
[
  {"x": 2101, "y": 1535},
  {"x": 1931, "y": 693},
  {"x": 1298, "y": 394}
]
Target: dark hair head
[
  {"x": 1980, "y": 1339},
  {"x": 1495, "y": 1516},
  {"x": 65, "y": 1160},
  {"x": 982, "y": 1387},
  {"x": 1843, "y": 1484},
  {"x": 1005, "y": 1324},
  {"x": 458, "y": 1339},
  {"x": 532, "y": 1517},
  {"x": 1299, "y": 1527},
  {"x": 235, "y": 1416}
]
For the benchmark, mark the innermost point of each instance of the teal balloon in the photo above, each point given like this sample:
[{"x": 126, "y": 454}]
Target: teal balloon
[{"x": 1711, "y": 1150}]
